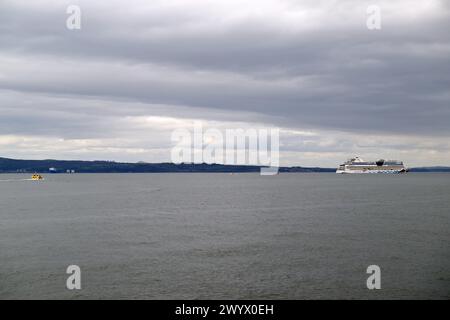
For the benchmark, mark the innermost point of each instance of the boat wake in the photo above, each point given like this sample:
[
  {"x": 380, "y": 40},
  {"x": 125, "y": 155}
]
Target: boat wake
[{"x": 16, "y": 180}]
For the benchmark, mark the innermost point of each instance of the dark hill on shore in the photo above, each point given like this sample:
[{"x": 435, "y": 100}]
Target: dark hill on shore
[{"x": 61, "y": 166}]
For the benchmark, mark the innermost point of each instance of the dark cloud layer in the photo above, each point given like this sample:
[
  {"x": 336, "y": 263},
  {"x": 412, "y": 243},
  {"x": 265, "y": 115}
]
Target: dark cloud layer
[{"x": 296, "y": 64}]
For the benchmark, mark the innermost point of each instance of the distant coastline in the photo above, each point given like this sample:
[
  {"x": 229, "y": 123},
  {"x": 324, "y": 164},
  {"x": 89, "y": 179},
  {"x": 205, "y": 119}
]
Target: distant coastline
[{"x": 77, "y": 166}]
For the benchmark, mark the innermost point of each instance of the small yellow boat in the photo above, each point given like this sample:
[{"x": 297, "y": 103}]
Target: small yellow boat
[{"x": 37, "y": 177}]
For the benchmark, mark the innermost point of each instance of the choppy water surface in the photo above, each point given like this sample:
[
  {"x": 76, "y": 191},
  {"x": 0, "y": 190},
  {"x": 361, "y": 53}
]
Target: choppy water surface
[{"x": 242, "y": 236}]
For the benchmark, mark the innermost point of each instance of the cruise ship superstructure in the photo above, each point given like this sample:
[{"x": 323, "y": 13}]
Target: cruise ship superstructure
[{"x": 358, "y": 165}]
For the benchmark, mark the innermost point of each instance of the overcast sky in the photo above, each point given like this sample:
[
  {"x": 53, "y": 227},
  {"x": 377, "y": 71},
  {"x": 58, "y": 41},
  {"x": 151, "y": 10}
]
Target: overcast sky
[{"x": 137, "y": 70}]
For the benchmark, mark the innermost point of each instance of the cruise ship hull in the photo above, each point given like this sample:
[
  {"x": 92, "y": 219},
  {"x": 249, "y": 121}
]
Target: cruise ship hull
[
  {"x": 359, "y": 166},
  {"x": 370, "y": 171}
]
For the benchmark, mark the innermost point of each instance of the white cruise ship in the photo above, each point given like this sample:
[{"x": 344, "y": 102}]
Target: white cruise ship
[{"x": 358, "y": 165}]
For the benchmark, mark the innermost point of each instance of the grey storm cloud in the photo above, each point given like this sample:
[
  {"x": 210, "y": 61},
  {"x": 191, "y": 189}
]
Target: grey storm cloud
[{"x": 294, "y": 64}]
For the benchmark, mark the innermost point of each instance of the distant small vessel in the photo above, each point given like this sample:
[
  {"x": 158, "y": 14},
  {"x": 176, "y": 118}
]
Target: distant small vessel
[
  {"x": 358, "y": 165},
  {"x": 37, "y": 177}
]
